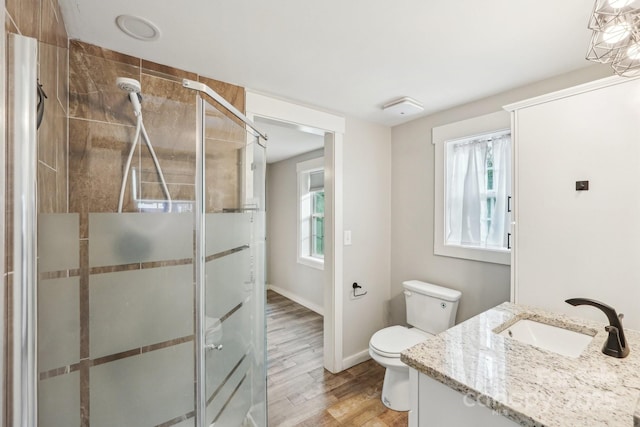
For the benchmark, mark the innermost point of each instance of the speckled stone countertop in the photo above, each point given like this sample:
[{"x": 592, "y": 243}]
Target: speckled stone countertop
[{"x": 528, "y": 385}]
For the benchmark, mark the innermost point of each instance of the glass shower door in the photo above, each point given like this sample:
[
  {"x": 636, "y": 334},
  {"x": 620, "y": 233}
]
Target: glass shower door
[{"x": 232, "y": 208}]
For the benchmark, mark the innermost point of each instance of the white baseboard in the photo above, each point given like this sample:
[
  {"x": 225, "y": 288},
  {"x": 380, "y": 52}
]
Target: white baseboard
[
  {"x": 295, "y": 298},
  {"x": 355, "y": 359}
]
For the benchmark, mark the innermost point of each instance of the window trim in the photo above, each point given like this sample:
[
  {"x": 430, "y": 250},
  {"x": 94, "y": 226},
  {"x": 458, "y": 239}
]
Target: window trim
[
  {"x": 466, "y": 129},
  {"x": 304, "y": 168}
]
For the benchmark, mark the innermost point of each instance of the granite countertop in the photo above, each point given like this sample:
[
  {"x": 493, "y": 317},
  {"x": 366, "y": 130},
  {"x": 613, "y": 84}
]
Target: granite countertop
[{"x": 528, "y": 385}]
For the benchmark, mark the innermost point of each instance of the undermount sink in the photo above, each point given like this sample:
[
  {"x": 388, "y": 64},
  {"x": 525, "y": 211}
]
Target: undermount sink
[{"x": 552, "y": 338}]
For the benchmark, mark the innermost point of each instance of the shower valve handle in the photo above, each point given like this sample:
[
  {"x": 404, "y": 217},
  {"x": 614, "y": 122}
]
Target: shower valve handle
[{"x": 213, "y": 347}]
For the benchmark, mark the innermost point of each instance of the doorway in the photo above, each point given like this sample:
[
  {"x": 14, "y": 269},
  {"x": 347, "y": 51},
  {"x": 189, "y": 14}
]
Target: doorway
[
  {"x": 295, "y": 223},
  {"x": 262, "y": 107}
]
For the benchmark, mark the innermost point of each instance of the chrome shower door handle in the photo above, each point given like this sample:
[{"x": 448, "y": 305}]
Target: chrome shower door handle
[{"x": 213, "y": 347}]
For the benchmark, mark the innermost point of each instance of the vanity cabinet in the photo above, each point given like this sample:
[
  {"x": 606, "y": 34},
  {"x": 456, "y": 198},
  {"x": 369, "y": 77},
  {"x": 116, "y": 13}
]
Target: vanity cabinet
[
  {"x": 576, "y": 199},
  {"x": 439, "y": 405},
  {"x": 469, "y": 375}
]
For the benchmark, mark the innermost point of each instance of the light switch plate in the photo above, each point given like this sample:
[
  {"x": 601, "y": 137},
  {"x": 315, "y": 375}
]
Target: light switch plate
[{"x": 347, "y": 237}]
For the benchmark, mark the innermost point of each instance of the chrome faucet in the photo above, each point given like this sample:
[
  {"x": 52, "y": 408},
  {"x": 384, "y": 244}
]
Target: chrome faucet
[{"x": 616, "y": 345}]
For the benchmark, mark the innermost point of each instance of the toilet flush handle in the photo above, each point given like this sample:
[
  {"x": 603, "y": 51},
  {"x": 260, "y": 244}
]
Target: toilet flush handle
[{"x": 407, "y": 293}]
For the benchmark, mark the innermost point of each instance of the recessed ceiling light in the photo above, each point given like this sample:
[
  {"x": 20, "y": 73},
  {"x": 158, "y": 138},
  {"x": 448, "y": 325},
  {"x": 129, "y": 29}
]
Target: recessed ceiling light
[{"x": 138, "y": 28}]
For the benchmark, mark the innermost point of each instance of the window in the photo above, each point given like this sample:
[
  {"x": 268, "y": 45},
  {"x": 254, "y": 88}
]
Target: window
[
  {"x": 476, "y": 191},
  {"x": 317, "y": 222},
  {"x": 473, "y": 185},
  {"x": 311, "y": 213}
]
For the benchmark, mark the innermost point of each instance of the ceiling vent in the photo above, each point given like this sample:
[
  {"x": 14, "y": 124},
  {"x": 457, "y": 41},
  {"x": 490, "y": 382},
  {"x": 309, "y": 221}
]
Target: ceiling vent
[
  {"x": 138, "y": 28},
  {"x": 403, "y": 107}
]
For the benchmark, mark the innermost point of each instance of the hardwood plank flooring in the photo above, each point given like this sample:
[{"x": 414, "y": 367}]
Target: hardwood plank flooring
[{"x": 300, "y": 392}]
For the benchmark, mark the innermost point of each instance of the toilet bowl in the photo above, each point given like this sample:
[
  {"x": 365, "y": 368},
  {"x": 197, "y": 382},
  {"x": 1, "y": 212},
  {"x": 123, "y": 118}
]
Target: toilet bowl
[
  {"x": 431, "y": 309},
  {"x": 385, "y": 347}
]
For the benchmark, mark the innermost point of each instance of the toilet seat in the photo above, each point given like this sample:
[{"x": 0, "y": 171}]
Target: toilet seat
[{"x": 391, "y": 341}]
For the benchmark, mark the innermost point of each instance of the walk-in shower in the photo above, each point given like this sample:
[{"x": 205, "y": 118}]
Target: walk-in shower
[
  {"x": 134, "y": 89},
  {"x": 126, "y": 317}
]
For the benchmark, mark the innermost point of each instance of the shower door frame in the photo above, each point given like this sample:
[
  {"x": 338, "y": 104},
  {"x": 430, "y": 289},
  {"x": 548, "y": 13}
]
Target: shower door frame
[
  {"x": 3, "y": 172},
  {"x": 23, "y": 387}
]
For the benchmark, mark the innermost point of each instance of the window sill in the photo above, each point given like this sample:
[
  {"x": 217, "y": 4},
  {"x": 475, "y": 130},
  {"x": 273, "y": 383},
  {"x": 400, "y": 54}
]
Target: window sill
[
  {"x": 495, "y": 256},
  {"x": 311, "y": 262}
]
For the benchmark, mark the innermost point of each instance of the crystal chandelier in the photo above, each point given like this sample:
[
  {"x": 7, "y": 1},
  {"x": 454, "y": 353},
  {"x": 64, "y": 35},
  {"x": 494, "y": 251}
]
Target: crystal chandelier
[{"x": 616, "y": 35}]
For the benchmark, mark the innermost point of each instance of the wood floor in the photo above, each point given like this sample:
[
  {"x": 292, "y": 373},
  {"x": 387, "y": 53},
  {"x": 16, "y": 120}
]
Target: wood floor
[{"x": 300, "y": 392}]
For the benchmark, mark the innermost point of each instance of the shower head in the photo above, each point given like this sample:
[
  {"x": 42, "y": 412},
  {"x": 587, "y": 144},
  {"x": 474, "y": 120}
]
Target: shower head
[
  {"x": 132, "y": 87},
  {"x": 128, "y": 85}
]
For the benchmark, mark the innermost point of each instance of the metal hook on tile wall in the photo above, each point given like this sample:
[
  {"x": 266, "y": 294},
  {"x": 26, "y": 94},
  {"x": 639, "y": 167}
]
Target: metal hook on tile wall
[
  {"x": 40, "y": 109},
  {"x": 355, "y": 290}
]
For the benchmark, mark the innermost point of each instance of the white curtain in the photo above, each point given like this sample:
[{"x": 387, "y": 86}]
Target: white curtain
[
  {"x": 500, "y": 221},
  {"x": 466, "y": 186},
  {"x": 466, "y": 193}
]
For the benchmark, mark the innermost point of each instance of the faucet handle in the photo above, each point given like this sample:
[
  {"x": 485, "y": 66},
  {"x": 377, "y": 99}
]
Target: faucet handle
[
  {"x": 613, "y": 329},
  {"x": 621, "y": 316},
  {"x": 614, "y": 346}
]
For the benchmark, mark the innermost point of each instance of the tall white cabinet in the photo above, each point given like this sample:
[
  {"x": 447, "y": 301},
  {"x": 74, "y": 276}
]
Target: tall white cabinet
[{"x": 578, "y": 243}]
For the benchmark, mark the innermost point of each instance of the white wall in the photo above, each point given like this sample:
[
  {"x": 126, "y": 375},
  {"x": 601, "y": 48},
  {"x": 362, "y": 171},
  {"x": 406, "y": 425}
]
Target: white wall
[
  {"x": 367, "y": 214},
  {"x": 483, "y": 285},
  {"x": 579, "y": 243},
  {"x": 298, "y": 282},
  {"x": 366, "y": 199}
]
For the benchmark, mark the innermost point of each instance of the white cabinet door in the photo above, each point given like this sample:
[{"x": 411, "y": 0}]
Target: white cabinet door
[
  {"x": 439, "y": 405},
  {"x": 572, "y": 243}
]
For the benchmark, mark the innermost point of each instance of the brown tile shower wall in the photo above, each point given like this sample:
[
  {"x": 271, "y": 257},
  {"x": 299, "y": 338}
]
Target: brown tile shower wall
[
  {"x": 40, "y": 19},
  {"x": 102, "y": 126}
]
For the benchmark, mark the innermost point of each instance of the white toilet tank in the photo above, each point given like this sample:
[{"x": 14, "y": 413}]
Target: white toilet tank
[{"x": 430, "y": 308}]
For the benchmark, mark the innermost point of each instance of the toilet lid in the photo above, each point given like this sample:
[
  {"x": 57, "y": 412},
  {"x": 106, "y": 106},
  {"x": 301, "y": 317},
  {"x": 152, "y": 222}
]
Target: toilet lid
[{"x": 393, "y": 340}]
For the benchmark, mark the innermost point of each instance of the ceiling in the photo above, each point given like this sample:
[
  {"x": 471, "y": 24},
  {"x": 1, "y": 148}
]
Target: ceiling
[{"x": 353, "y": 56}]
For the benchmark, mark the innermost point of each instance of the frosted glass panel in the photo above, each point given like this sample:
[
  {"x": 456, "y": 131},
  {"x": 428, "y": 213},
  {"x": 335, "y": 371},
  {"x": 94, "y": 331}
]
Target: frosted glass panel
[
  {"x": 128, "y": 238},
  {"x": 131, "y": 309},
  {"x": 58, "y": 323},
  {"x": 59, "y": 401},
  {"x": 236, "y": 411},
  {"x": 227, "y": 231},
  {"x": 232, "y": 279},
  {"x": 58, "y": 242},
  {"x": 228, "y": 282},
  {"x": 186, "y": 423},
  {"x": 144, "y": 390},
  {"x": 216, "y": 405},
  {"x": 259, "y": 229},
  {"x": 235, "y": 341}
]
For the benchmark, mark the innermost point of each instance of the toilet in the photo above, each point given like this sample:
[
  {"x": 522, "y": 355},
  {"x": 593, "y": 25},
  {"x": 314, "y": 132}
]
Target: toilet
[{"x": 431, "y": 309}]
